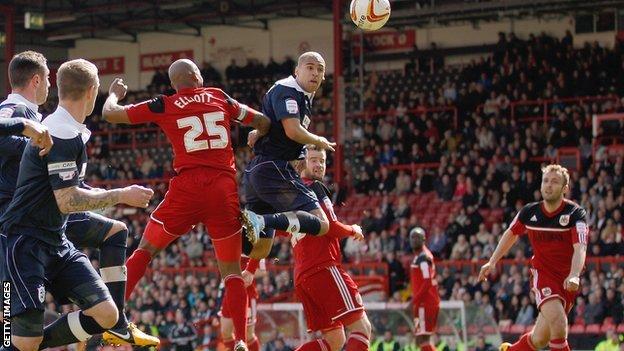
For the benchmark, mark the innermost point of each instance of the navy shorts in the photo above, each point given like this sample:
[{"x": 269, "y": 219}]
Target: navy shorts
[
  {"x": 87, "y": 229},
  {"x": 34, "y": 267},
  {"x": 274, "y": 186}
]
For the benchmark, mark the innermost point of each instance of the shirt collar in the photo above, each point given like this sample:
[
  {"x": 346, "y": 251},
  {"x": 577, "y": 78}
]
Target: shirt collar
[
  {"x": 291, "y": 82},
  {"x": 62, "y": 124},
  {"x": 18, "y": 99}
]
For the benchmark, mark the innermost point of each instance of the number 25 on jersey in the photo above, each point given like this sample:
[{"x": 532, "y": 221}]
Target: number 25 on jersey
[{"x": 218, "y": 134}]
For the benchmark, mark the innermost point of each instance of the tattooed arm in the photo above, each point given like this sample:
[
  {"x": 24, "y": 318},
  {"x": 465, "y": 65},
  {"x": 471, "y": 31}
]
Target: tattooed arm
[{"x": 75, "y": 199}]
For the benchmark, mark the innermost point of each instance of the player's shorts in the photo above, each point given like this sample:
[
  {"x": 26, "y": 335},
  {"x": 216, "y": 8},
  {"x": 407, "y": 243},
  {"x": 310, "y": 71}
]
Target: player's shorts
[
  {"x": 426, "y": 318},
  {"x": 330, "y": 299},
  {"x": 546, "y": 286},
  {"x": 34, "y": 266},
  {"x": 87, "y": 229},
  {"x": 201, "y": 195},
  {"x": 274, "y": 186}
]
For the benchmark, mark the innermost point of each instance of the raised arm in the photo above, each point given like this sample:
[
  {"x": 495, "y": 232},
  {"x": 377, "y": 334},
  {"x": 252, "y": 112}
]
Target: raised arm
[{"x": 112, "y": 111}]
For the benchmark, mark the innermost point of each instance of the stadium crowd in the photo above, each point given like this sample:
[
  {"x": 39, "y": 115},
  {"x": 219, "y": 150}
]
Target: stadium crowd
[{"x": 483, "y": 160}]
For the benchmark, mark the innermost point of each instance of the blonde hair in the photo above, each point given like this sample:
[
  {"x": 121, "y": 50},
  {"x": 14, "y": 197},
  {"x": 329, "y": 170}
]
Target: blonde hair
[
  {"x": 559, "y": 169},
  {"x": 75, "y": 78}
]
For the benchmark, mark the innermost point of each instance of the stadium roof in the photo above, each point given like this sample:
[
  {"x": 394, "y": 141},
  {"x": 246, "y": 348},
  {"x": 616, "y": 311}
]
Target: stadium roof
[{"x": 68, "y": 20}]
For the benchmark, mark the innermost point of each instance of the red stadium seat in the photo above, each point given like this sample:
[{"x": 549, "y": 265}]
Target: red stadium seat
[
  {"x": 577, "y": 329},
  {"x": 607, "y": 325},
  {"x": 517, "y": 329},
  {"x": 592, "y": 329},
  {"x": 620, "y": 328}
]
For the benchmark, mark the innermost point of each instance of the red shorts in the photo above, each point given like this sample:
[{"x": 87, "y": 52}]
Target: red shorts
[
  {"x": 200, "y": 195},
  {"x": 252, "y": 311},
  {"x": 426, "y": 319},
  {"x": 330, "y": 299},
  {"x": 547, "y": 286}
]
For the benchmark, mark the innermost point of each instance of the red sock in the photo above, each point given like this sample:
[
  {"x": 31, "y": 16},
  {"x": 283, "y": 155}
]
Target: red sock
[
  {"x": 229, "y": 344},
  {"x": 559, "y": 344},
  {"x": 315, "y": 345},
  {"x": 427, "y": 347},
  {"x": 524, "y": 344},
  {"x": 136, "y": 266},
  {"x": 236, "y": 300},
  {"x": 357, "y": 342},
  {"x": 254, "y": 345}
]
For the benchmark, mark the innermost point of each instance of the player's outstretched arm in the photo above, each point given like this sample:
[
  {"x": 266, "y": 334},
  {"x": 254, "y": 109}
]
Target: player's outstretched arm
[
  {"x": 296, "y": 132},
  {"x": 504, "y": 245},
  {"x": 75, "y": 199},
  {"x": 572, "y": 282},
  {"x": 112, "y": 111}
]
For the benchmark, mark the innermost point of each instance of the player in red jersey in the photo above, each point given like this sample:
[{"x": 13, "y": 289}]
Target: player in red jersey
[
  {"x": 425, "y": 297},
  {"x": 197, "y": 123},
  {"x": 227, "y": 326},
  {"x": 558, "y": 231},
  {"x": 330, "y": 298}
]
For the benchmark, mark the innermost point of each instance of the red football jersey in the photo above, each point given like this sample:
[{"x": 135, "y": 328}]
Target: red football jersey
[
  {"x": 313, "y": 253},
  {"x": 197, "y": 123},
  {"x": 423, "y": 280},
  {"x": 552, "y": 235}
]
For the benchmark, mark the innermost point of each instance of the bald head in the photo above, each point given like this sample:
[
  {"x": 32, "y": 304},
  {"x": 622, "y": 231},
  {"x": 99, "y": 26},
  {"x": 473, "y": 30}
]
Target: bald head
[
  {"x": 310, "y": 57},
  {"x": 310, "y": 71},
  {"x": 184, "y": 73}
]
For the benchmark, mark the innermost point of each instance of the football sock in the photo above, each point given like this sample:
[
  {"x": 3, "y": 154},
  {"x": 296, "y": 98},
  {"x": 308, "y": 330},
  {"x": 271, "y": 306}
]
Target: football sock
[
  {"x": 236, "y": 300},
  {"x": 229, "y": 344},
  {"x": 294, "y": 222},
  {"x": 357, "y": 342},
  {"x": 137, "y": 264},
  {"x": 113, "y": 271},
  {"x": 524, "y": 344},
  {"x": 559, "y": 344},
  {"x": 254, "y": 345},
  {"x": 68, "y": 329},
  {"x": 315, "y": 345}
]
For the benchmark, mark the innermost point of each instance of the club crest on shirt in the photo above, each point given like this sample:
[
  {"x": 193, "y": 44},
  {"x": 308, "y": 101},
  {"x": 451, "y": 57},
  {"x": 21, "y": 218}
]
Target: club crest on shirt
[
  {"x": 546, "y": 291},
  {"x": 41, "y": 293},
  {"x": 306, "y": 122},
  {"x": 564, "y": 220}
]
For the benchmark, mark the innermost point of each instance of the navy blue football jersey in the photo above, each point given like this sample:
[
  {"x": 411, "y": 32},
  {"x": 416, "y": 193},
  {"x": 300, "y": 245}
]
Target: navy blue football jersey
[
  {"x": 285, "y": 99},
  {"x": 33, "y": 210},
  {"x": 12, "y": 146}
]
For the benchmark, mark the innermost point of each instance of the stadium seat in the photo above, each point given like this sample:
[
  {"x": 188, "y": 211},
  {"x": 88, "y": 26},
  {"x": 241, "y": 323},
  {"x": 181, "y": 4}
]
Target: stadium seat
[
  {"x": 577, "y": 329},
  {"x": 620, "y": 328},
  {"x": 592, "y": 329},
  {"x": 517, "y": 329}
]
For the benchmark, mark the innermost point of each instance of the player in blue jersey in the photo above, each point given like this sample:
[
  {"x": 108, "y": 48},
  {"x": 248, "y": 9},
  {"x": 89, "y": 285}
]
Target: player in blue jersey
[
  {"x": 271, "y": 183},
  {"x": 38, "y": 256},
  {"x": 28, "y": 76}
]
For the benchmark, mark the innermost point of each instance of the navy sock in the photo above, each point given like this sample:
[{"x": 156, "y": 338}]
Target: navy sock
[
  {"x": 294, "y": 222},
  {"x": 113, "y": 271}
]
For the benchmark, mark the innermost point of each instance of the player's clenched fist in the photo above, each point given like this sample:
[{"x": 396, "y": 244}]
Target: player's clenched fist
[
  {"x": 357, "y": 232},
  {"x": 118, "y": 88},
  {"x": 485, "y": 271},
  {"x": 248, "y": 277},
  {"x": 39, "y": 135},
  {"x": 571, "y": 283},
  {"x": 136, "y": 196}
]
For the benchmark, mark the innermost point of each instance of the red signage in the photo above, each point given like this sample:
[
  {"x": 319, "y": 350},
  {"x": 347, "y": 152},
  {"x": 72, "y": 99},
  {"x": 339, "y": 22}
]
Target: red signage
[
  {"x": 386, "y": 41},
  {"x": 150, "y": 62},
  {"x": 110, "y": 65}
]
